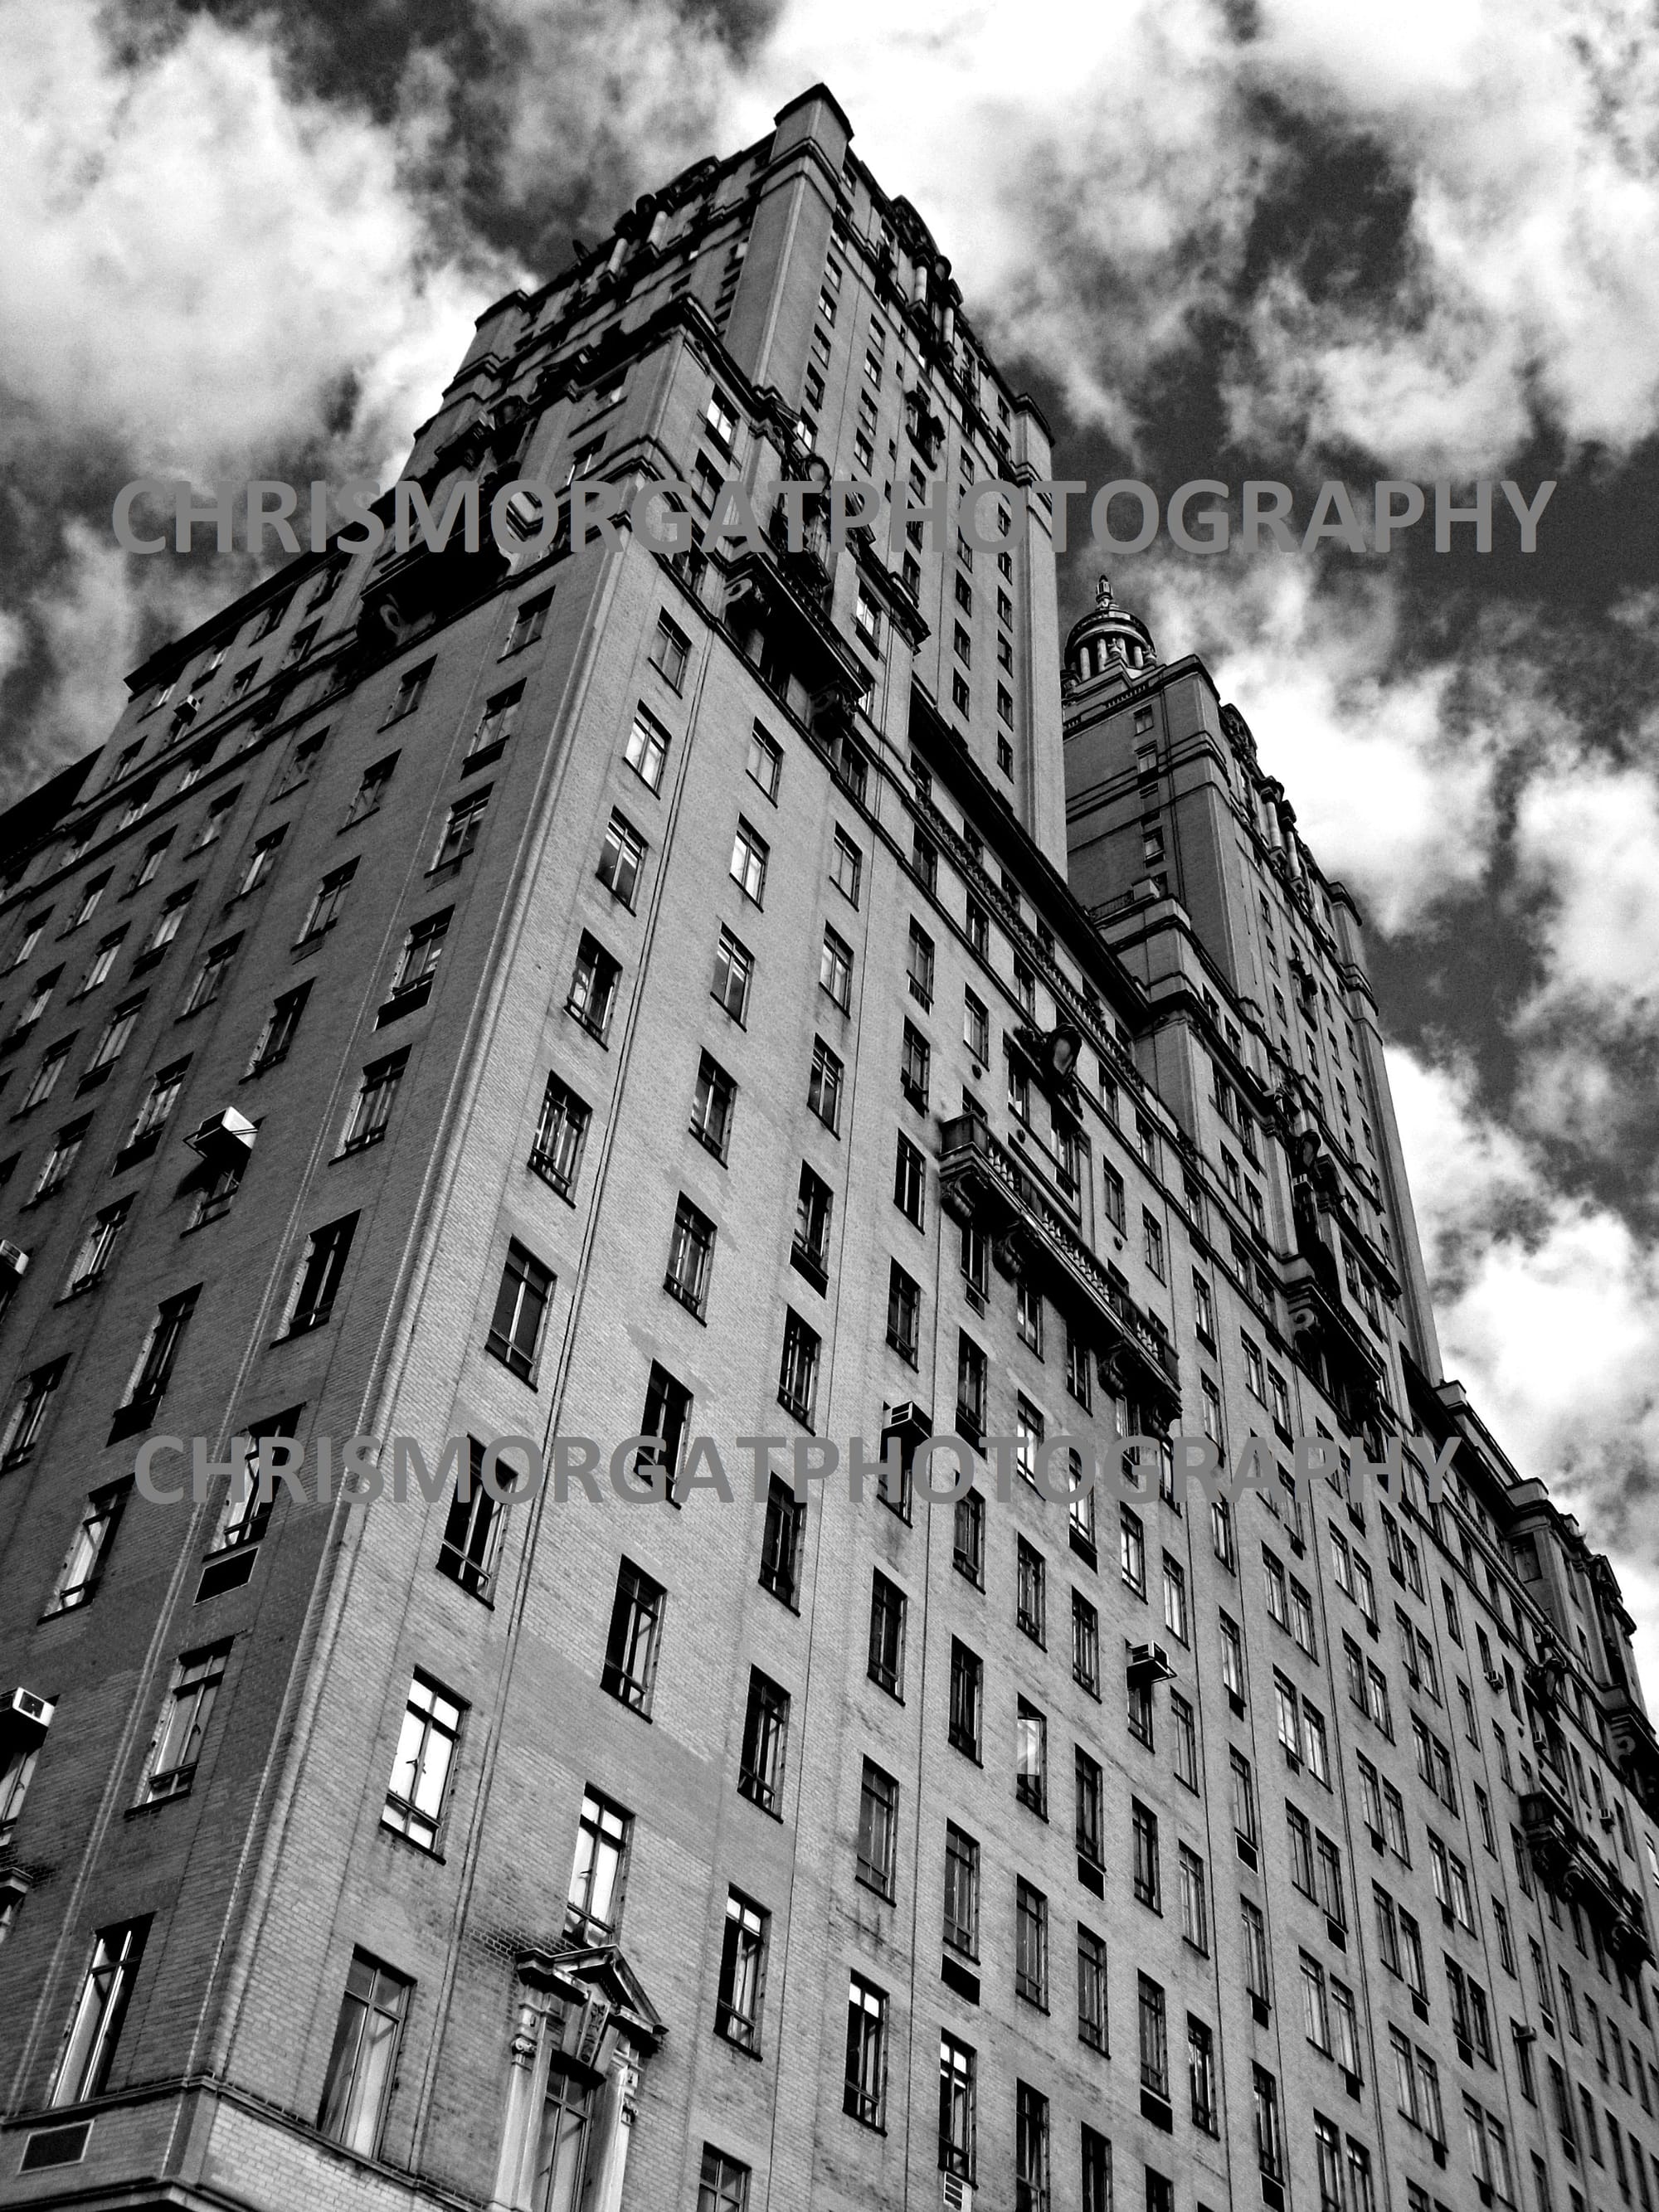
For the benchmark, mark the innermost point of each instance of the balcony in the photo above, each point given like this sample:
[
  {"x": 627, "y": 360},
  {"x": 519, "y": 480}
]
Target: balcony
[
  {"x": 1572, "y": 1866},
  {"x": 1328, "y": 1338},
  {"x": 982, "y": 1182}
]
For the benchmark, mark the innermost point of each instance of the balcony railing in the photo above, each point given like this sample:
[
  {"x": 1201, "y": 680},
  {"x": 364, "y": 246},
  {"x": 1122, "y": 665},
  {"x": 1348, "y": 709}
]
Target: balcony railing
[
  {"x": 1575, "y": 1868},
  {"x": 982, "y": 1182}
]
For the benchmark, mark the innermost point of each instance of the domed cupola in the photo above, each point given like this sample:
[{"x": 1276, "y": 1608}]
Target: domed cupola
[{"x": 1109, "y": 641}]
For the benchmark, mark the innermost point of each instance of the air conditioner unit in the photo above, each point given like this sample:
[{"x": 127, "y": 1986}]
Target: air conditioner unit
[
  {"x": 1606, "y": 1819},
  {"x": 1494, "y": 1679},
  {"x": 13, "y": 1260},
  {"x": 222, "y": 1132},
  {"x": 1150, "y": 1660},
  {"x": 21, "y": 1712},
  {"x": 955, "y": 2194}
]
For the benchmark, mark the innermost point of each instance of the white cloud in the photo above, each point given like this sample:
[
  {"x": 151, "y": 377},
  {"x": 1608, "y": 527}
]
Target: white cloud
[
  {"x": 1547, "y": 1307},
  {"x": 1392, "y": 795},
  {"x": 197, "y": 259}
]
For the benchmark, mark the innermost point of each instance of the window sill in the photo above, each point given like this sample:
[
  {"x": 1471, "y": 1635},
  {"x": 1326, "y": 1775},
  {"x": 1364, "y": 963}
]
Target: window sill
[
  {"x": 427, "y": 1851},
  {"x": 401, "y": 1003}
]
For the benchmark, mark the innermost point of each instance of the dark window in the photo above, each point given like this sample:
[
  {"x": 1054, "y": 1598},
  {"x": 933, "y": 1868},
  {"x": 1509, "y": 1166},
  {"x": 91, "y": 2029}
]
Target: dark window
[
  {"x": 967, "y": 1699},
  {"x": 903, "y": 1312},
  {"x": 364, "y": 2057},
  {"x": 1030, "y": 2150},
  {"x": 877, "y": 1848},
  {"x": 630, "y": 1653},
  {"x": 865, "y": 2096},
  {"x": 1030, "y": 1610},
  {"x": 723, "y": 2184},
  {"x": 621, "y": 860},
  {"x": 561, "y": 1132},
  {"x": 593, "y": 983},
  {"x": 1031, "y": 1943},
  {"x": 798, "y": 1369},
  {"x": 372, "y": 1109},
  {"x": 967, "y": 1544},
  {"x": 781, "y": 1542},
  {"x": 1147, "y": 1883},
  {"x": 887, "y": 1610},
  {"x": 521, "y": 1302},
  {"x": 910, "y": 1182},
  {"x": 742, "y": 1971},
  {"x": 712, "y": 1105},
  {"x": 690, "y": 1256},
  {"x": 814, "y": 1209},
  {"x": 471, "y": 1530},
  {"x": 734, "y": 971},
  {"x": 765, "y": 1743},
  {"x": 1092, "y": 2016},
  {"x": 824, "y": 1086},
  {"x": 1154, "y": 2037},
  {"x": 667, "y": 1417},
  {"x": 156, "y": 1362},
  {"x": 326, "y": 902},
  {"x": 94, "y": 2028},
  {"x": 670, "y": 650},
  {"x": 1031, "y": 1757},
  {"x": 914, "y": 1067}
]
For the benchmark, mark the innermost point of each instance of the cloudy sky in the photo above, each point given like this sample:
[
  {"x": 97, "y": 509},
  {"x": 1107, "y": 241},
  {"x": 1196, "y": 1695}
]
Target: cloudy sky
[{"x": 1291, "y": 238}]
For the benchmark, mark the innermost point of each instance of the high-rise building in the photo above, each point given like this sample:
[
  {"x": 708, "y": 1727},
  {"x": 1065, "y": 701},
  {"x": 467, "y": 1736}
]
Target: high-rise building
[{"x": 748, "y": 992}]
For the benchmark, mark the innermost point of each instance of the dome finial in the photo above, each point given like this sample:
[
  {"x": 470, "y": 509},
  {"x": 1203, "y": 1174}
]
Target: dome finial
[{"x": 1104, "y": 593}]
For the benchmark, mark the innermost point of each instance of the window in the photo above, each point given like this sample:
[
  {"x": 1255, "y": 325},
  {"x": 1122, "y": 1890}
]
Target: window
[
  {"x": 157, "y": 1360},
  {"x": 722, "y": 2184},
  {"x": 411, "y": 689},
  {"x": 646, "y": 750},
  {"x": 370, "y": 791},
  {"x": 865, "y": 2096},
  {"x": 83, "y": 1563},
  {"x": 1256, "y": 1953},
  {"x": 630, "y": 1655},
  {"x": 957, "y": 2107},
  {"x": 909, "y": 1181},
  {"x": 593, "y": 982},
  {"x": 975, "y": 1028},
  {"x": 1132, "y": 1550},
  {"x": 765, "y": 765},
  {"x": 690, "y": 1255},
  {"x": 846, "y": 866},
  {"x": 593, "y": 1906},
  {"x": 914, "y": 1066},
  {"x": 1232, "y": 1660},
  {"x": 878, "y": 1844},
  {"x": 1030, "y": 2149},
  {"x": 210, "y": 975},
  {"x": 555, "y": 1152},
  {"x": 488, "y": 739},
  {"x": 177, "y": 1745},
  {"x": 824, "y": 1086},
  {"x": 886, "y": 1655},
  {"x": 418, "y": 964},
  {"x": 835, "y": 969},
  {"x": 781, "y": 1542},
  {"x": 1030, "y": 1944},
  {"x": 1030, "y": 1597},
  {"x": 95, "y": 2025},
  {"x": 961, "y": 1891},
  {"x": 372, "y": 1109},
  {"x": 903, "y": 1313},
  {"x": 1031, "y": 1758},
  {"x": 1195, "y": 1917},
  {"x": 317, "y": 1280},
  {"x": 1175, "y": 1598},
  {"x": 44, "y": 1079},
  {"x": 670, "y": 649},
  {"x": 471, "y": 1530},
  {"x": 750, "y": 852},
  {"x": 920, "y": 964},
  {"x": 1269, "y": 2143},
  {"x": 742, "y": 1971},
  {"x": 326, "y": 904},
  {"x": 1153, "y": 1245},
  {"x": 765, "y": 1742},
  {"x": 1153, "y": 2037},
  {"x": 967, "y": 1538},
  {"x": 1085, "y": 1645},
  {"x": 622, "y": 857},
  {"x": 734, "y": 970},
  {"x": 421, "y": 1769},
  {"x": 798, "y": 1369},
  {"x": 1148, "y": 1886},
  {"x": 529, "y": 621}
]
